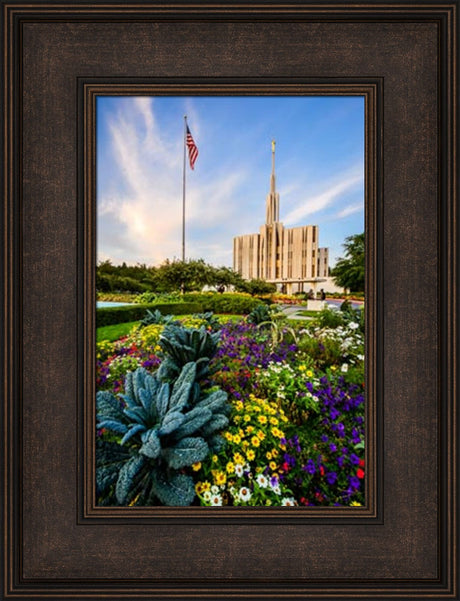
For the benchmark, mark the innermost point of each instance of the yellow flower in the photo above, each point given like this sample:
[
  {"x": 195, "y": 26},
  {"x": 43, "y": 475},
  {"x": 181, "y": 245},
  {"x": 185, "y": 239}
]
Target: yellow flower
[
  {"x": 268, "y": 455},
  {"x": 196, "y": 466},
  {"x": 236, "y": 438},
  {"x": 241, "y": 432},
  {"x": 272, "y": 465},
  {"x": 260, "y": 435},
  {"x": 247, "y": 418},
  {"x": 275, "y": 432},
  {"x": 239, "y": 406},
  {"x": 262, "y": 419},
  {"x": 249, "y": 430},
  {"x": 268, "y": 502},
  {"x": 230, "y": 467},
  {"x": 245, "y": 444},
  {"x": 199, "y": 488},
  {"x": 206, "y": 486},
  {"x": 250, "y": 455},
  {"x": 237, "y": 419},
  {"x": 238, "y": 458},
  {"x": 309, "y": 374},
  {"x": 228, "y": 436},
  {"x": 274, "y": 421},
  {"x": 215, "y": 459},
  {"x": 333, "y": 368},
  {"x": 275, "y": 452},
  {"x": 219, "y": 477},
  {"x": 355, "y": 504},
  {"x": 257, "y": 408},
  {"x": 302, "y": 368},
  {"x": 255, "y": 441}
]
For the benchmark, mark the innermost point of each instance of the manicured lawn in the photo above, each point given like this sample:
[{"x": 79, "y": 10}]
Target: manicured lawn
[
  {"x": 305, "y": 313},
  {"x": 114, "y": 332}
]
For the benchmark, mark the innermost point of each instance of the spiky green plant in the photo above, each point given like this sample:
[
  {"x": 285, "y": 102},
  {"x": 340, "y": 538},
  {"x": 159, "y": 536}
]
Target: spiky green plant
[
  {"x": 155, "y": 317},
  {"x": 162, "y": 430},
  {"x": 182, "y": 345},
  {"x": 260, "y": 314}
]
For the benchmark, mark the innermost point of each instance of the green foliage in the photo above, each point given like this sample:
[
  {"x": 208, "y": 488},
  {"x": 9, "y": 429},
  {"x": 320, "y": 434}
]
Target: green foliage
[
  {"x": 156, "y": 318},
  {"x": 255, "y": 287},
  {"x": 211, "y": 320},
  {"x": 328, "y": 318},
  {"x": 163, "y": 428},
  {"x": 227, "y": 302},
  {"x": 349, "y": 271},
  {"x": 260, "y": 314},
  {"x": 111, "y": 315},
  {"x": 182, "y": 345}
]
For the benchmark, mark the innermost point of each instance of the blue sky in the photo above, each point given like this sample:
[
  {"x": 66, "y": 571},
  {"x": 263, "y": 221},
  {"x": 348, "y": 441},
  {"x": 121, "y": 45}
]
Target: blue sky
[{"x": 319, "y": 172}]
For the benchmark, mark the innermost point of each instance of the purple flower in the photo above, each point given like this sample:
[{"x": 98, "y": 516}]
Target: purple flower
[
  {"x": 331, "y": 477},
  {"x": 309, "y": 467},
  {"x": 354, "y": 459}
]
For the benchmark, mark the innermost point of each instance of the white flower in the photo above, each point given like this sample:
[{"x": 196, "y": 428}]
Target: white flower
[
  {"x": 353, "y": 325},
  {"x": 360, "y": 357},
  {"x": 262, "y": 481},
  {"x": 288, "y": 502},
  {"x": 239, "y": 470},
  {"x": 207, "y": 495},
  {"x": 344, "y": 368},
  {"x": 216, "y": 500},
  {"x": 245, "y": 494},
  {"x": 215, "y": 489}
]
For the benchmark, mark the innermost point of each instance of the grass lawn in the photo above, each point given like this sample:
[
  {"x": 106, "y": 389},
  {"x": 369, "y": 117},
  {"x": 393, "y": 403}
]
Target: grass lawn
[
  {"x": 115, "y": 331},
  {"x": 305, "y": 313},
  {"x": 119, "y": 330}
]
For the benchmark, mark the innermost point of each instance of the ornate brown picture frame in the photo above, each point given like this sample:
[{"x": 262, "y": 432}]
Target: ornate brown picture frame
[{"x": 402, "y": 57}]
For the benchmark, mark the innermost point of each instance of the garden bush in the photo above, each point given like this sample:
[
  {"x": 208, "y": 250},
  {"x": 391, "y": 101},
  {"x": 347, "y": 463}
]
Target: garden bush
[{"x": 238, "y": 304}]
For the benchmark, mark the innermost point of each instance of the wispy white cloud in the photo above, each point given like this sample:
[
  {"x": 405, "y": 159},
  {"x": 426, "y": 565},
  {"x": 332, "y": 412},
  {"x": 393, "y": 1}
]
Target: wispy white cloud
[
  {"x": 349, "y": 210},
  {"x": 143, "y": 217},
  {"x": 347, "y": 183}
]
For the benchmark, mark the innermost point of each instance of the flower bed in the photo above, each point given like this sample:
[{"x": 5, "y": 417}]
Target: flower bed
[{"x": 294, "y": 431}]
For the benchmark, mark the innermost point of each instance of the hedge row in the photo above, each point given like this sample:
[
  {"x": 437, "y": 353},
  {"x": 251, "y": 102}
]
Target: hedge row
[
  {"x": 108, "y": 316},
  {"x": 237, "y": 304}
]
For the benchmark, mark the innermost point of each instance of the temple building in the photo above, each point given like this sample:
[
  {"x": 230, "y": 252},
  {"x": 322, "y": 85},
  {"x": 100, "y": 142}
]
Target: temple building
[{"x": 288, "y": 257}]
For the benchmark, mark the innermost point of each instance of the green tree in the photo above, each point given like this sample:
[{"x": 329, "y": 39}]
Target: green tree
[
  {"x": 189, "y": 275},
  {"x": 349, "y": 270},
  {"x": 255, "y": 287}
]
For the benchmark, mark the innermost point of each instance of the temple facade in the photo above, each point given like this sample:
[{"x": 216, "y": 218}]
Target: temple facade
[{"x": 288, "y": 257}]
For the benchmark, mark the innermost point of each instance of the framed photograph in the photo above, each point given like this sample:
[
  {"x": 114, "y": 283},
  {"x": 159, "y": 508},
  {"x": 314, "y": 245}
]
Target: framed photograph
[
  {"x": 268, "y": 339},
  {"x": 117, "y": 480}
]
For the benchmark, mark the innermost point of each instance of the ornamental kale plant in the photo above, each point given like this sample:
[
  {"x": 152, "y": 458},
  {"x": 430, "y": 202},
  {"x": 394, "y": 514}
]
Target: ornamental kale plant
[
  {"x": 182, "y": 345},
  {"x": 163, "y": 429}
]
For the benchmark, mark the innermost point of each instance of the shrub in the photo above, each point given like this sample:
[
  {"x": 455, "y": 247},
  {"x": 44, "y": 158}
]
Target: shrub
[
  {"x": 164, "y": 430},
  {"x": 112, "y": 315},
  {"x": 238, "y": 304}
]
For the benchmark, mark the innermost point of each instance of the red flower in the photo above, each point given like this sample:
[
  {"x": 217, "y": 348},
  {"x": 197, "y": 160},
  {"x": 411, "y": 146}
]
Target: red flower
[
  {"x": 360, "y": 473},
  {"x": 321, "y": 470},
  {"x": 361, "y": 463}
]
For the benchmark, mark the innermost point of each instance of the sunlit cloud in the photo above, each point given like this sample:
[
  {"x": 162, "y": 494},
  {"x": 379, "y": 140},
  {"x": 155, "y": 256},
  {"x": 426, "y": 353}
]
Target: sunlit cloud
[{"x": 146, "y": 217}]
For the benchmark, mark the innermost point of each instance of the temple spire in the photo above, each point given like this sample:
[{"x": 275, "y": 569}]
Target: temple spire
[
  {"x": 272, "y": 178},
  {"x": 273, "y": 199}
]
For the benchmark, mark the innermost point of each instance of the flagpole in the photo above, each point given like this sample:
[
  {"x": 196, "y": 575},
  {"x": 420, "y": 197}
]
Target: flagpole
[{"x": 183, "y": 190}]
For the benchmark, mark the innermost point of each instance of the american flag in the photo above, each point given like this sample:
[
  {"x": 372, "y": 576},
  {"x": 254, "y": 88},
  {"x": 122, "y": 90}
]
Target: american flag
[{"x": 192, "y": 149}]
